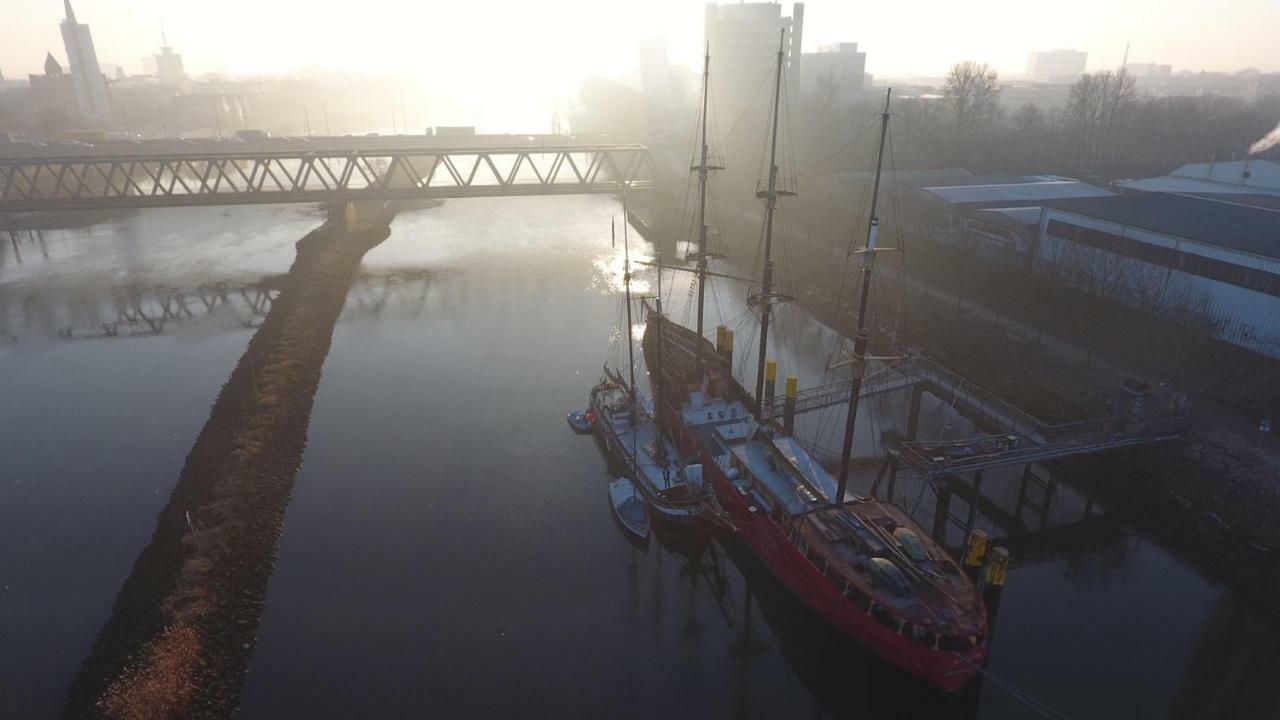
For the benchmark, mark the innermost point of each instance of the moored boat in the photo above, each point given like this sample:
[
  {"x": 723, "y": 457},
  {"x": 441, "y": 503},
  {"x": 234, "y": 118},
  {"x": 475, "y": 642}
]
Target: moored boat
[
  {"x": 628, "y": 508},
  {"x": 672, "y": 488},
  {"x": 861, "y": 564},
  {"x": 632, "y": 433},
  {"x": 581, "y": 421}
]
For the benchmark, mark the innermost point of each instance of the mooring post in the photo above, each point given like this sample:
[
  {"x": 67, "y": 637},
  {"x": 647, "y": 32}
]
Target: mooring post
[
  {"x": 975, "y": 553},
  {"x": 789, "y": 409},
  {"x": 728, "y": 348},
  {"x": 993, "y": 586},
  {"x": 770, "y": 381},
  {"x": 913, "y": 414}
]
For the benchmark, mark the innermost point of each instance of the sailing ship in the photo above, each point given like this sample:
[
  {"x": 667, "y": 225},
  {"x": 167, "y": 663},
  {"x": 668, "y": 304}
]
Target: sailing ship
[
  {"x": 861, "y": 564},
  {"x": 634, "y": 434}
]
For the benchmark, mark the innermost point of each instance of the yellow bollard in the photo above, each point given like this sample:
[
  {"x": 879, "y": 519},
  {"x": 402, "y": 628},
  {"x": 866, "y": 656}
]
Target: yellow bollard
[
  {"x": 770, "y": 380},
  {"x": 789, "y": 408},
  {"x": 997, "y": 567},
  {"x": 974, "y": 553}
]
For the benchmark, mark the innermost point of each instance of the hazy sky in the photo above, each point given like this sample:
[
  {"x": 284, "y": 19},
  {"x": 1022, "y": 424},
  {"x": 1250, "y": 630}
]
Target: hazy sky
[{"x": 529, "y": 48}]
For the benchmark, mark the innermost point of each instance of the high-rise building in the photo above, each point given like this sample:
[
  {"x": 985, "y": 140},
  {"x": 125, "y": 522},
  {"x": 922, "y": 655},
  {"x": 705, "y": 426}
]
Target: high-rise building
[
  {"x": 92, "y": 101},
  {"x": 743, "y": 39},
  {"x": 53, "y": 98},
  {"x": 838, "y": 68},
  {"x": 1149, "y": 70},
  {"x": 1051, "y": 65},
  {"x": 168, "y": 63}
]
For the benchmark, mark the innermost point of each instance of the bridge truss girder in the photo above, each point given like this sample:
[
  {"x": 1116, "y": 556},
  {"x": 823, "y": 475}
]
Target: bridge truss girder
[{"x": 172, "y": 180}]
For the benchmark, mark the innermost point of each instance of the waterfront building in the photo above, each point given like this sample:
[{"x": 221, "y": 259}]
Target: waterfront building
[
  {"x": 743, "y": 40},
  {"x": 840, "y": 68},
  {"x": 92, "y": 102}
]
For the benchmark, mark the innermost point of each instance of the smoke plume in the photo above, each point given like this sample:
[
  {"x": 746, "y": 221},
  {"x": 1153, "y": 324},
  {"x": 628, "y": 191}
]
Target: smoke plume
[{"x": 1267, "y": 142}]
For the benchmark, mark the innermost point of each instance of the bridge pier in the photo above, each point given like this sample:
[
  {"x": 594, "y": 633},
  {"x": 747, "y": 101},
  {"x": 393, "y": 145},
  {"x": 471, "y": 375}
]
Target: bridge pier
[
  {"x": 973, "y": 506},
  {"x": 913, "y": 413},
  {"x": 941, "y": 510},
  {"x": 890, "y": 468}
]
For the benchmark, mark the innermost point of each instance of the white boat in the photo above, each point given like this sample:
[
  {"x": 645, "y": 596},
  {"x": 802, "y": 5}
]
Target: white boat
[{"x": 629, "y": 508}]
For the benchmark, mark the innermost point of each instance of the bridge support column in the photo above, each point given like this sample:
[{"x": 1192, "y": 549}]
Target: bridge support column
[
  {"x": 888, "y": 467},
  {"x": 941, "y": 511},
  {"x": 973, "y": 505},
  {"x": 913, "y": 414},
  {"x": 1048, "y": 500},
  {"x": 1022, "y": 489},
  {"x": 893, "y": 474}
]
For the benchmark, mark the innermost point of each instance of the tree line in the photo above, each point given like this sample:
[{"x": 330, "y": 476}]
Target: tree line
[{"x": 1107, "y": 127}]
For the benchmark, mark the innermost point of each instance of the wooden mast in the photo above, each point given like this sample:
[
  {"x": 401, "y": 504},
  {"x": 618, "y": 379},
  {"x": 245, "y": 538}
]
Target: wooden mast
[
  {"x": 770, "y": 196},
  {"x": 859, "y": 365},
  {"x": 626, "y": 284},
  {"x": 702, "y": 169}
]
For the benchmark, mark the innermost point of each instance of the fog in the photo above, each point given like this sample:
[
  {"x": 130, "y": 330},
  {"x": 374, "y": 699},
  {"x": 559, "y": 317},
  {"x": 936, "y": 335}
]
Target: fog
[{"x": 500, "y": 64}]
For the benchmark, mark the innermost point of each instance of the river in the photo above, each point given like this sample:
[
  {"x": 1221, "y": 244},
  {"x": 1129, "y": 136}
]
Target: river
[{"x": 449, "y": 549}]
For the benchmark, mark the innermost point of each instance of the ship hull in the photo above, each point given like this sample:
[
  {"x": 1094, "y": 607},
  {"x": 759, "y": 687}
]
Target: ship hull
[
  {"x": 689, "y": 513},
  {"x": 944, "y": 669}
]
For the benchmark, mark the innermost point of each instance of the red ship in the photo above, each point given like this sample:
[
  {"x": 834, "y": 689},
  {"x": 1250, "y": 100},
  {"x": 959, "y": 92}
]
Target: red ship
[{"x": 861, "y": 564}]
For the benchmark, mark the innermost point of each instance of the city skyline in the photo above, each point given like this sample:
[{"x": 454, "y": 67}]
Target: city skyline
[{"x": 1187, "y": 35}]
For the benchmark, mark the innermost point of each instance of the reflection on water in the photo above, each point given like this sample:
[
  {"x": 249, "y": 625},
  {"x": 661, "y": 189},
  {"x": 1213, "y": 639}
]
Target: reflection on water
[{"x": 449, "y": 548}]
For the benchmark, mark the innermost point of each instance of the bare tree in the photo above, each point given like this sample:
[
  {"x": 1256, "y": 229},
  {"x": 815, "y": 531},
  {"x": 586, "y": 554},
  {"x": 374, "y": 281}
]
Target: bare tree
[
  {"x": 1099, "y": 104},
  {"x": 973, "y": 96}
]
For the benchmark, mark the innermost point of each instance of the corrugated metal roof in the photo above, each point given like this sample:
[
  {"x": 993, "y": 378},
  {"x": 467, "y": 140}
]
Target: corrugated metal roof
[
  {"x": 1223, "y": 177},
  {"x": 1225, "y": 224},
  {"x": 1267, "y": 202},
  {"x": 1027, "y": 215},
  {"x": 1024, "y": 193}
]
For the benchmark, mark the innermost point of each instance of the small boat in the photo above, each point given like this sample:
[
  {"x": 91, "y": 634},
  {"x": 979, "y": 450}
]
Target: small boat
[
  {"x": 581, "y": 421},
  {"x": 635, "y": 436},
  {"x": 673, "y": 489},
  {"x": 629, "y": 508}
]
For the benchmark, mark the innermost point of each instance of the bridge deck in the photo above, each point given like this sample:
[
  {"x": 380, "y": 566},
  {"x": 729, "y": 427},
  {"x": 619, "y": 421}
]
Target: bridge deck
[{"x": 301, "y": 172}]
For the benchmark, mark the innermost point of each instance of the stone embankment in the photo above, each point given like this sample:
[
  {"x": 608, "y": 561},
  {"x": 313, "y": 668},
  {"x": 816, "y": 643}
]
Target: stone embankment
[{"x": 181, "y": 633}]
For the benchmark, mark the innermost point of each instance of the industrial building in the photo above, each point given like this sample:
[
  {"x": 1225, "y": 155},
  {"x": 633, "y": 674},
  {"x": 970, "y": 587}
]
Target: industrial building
[
  {"x": 996, "y": 216},
  {"x": 1210, "y": 260},
  {"x": 1056, "y": 65},
  {"x": 168, "y": 63},
  {"x": 1209, "y": 252},
  {"x": 840, "y": 68},
  {"x": 1237, "y": 178}
]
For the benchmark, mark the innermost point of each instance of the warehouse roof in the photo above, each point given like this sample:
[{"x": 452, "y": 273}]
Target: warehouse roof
[
  {"x": 1026, "y": 215},
  {"x": 1014, "y": 194},
  {"x": 1231, "y": 225},
  {"x": 1219, "y": 177}
]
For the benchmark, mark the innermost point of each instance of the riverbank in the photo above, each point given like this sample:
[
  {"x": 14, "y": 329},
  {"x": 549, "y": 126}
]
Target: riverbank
[
  {"x": 183, "y": 627},
  {"x": 1207, "y": 498}
]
